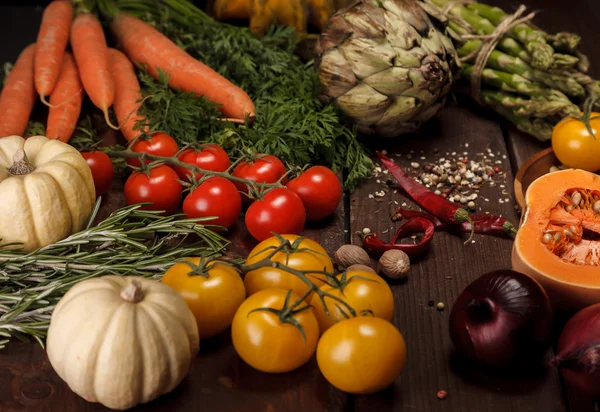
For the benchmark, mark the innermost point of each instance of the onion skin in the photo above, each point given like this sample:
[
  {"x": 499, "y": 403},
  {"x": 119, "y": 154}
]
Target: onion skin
[
  {"x": 501, "y": 318},
  {"x": 578, "y": 355}
]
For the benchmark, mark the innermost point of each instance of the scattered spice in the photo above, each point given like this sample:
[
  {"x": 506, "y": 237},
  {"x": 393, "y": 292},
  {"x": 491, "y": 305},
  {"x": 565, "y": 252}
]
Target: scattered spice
[
  {"x": 442, "y": 395},
  {"x": 444, "y": 210},
  {"x": 440, "y": 306},
  {"x": 454, "y": 174},
  {"x": 431, "y": 303}
]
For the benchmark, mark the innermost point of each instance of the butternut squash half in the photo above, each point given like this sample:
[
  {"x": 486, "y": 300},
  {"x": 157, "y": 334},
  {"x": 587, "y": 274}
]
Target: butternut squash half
[{"x": 558, "y": 242}]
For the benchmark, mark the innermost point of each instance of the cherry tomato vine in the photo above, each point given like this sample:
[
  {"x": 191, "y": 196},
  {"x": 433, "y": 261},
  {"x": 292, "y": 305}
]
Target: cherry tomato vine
[
  {"x": 256, "y": 190},
  {"x": 286, "y": 313}
]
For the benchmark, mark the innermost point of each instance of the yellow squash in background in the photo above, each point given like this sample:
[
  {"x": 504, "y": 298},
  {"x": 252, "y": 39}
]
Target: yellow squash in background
[{"x": 263, "y": 13}]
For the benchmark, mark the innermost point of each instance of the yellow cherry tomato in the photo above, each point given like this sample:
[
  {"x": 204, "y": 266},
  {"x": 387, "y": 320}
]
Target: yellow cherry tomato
[
  {"x": 362, "y": 290},
  {"x": 266, "y": 343},
  {"x": 574, "y": 146},
  {"x": 361, "y": 355},
  {"x": 213, "y": 297},
  {"x": 309, "y": 255}
]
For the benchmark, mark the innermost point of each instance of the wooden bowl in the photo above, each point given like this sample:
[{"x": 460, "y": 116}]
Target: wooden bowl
[{"x": 538, "y": 165}]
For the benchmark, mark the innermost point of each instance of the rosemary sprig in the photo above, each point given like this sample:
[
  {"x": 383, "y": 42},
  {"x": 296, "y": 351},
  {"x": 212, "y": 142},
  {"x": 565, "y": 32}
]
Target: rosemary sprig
[{"x": 130, "y": 241}]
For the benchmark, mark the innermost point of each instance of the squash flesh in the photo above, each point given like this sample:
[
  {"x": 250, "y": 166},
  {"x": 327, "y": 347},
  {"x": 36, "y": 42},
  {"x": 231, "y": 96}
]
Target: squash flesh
[{"x": 569, "y": 267}]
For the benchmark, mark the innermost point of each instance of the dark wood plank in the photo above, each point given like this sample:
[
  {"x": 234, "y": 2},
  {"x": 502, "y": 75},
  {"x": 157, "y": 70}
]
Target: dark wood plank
[{"x": 441, "y": 276}]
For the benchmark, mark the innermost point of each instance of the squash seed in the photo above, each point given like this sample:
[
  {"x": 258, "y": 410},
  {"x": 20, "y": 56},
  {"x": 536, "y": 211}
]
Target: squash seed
[{"x": 576, "y": 199}]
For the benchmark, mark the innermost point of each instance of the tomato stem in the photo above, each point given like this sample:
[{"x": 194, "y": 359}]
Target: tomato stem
[
  {"x": 586, "y": 117},
  {"x": 174, "y": 161},
  {"x": 199, "y": 269},
  {"x": 287, "y": 247},
  {"x": 286, "y": 313}
]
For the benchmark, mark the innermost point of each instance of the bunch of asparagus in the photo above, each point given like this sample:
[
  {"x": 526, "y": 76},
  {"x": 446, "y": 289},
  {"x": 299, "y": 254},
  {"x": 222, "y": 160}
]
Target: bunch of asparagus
[{"x": 532, "y": 78}]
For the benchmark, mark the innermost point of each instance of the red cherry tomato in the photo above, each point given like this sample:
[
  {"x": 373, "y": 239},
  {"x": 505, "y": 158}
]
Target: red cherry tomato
[
  {"x": 216, "y": 196},
  {"x": 159, "y": 144},
  {"x": 102, "y": 170},
  {"x": 264, "y": 169},
  {"x": 280, "y": 211},
  {"x": 211, "y": 157},
  {"x": 162, "y": 189},
  {"x": 320, "y": 191}
]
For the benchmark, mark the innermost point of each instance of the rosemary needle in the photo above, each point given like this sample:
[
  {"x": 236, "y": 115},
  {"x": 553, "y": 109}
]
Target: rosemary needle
[{"x": 130, "y": 241}]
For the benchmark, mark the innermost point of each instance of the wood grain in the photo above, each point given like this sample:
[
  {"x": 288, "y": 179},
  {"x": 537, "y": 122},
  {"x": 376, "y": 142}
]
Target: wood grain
[{"x": 441, "y": 276}]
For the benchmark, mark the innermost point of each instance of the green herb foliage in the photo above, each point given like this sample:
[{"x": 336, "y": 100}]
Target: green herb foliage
[
  {"x": 130, "y": 242},
  {"x": 291, "y": 122}
]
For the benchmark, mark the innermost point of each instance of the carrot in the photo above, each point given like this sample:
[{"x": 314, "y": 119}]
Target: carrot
[
  {"x": 145, "y": 45},
  {"x": 91, "y": 54},
  {"x": 65, "y": 100},
  {"x": 18, "y": 95},
  {"x": 51, "y": 44},
  {"x": 127, "y": 93}
]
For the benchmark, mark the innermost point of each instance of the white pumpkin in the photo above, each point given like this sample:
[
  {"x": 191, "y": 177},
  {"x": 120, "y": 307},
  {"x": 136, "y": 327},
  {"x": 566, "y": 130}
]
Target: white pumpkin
[
  {"x": 122, "y": 341},
  {"x": 46, "y": 191}
]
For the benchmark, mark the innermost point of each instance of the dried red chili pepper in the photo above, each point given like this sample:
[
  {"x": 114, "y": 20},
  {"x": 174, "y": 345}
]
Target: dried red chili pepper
[
  {"x": 445, "y": 210},
  {"x": 410, "y": 214},
  {"x": 374, "y": 244},
  {"x": 485, "y": 224}
]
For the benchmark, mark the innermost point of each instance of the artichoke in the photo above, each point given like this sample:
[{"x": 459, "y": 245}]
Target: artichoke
[{"x": 385, "y": 65}]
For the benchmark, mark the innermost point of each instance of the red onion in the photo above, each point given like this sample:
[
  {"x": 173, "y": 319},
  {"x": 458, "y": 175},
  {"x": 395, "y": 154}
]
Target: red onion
[
  {"x": 579, "y": 351},
  {"x": 501, "y": 318}
]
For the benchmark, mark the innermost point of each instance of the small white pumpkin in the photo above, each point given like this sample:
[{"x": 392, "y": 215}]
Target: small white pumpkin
[
  {"x": 122, "y": 341},
  {"x": 46, "y": 191}
]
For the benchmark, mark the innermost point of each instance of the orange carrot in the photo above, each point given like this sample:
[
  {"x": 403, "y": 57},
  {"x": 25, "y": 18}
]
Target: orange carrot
[
  {"x": 66, "y": 100},
  {"x": 145, "y": 45},
  {"x": 127, "y": 93},
  {"x": 51, "y": 44},
  {"x": 18, "y": 95},
  {"x": 91, "y": 54}
]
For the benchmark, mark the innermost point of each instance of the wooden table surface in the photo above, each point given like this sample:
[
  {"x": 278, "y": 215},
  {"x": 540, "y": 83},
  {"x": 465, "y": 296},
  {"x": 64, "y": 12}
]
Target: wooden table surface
[{"x": 220, "y": 381}]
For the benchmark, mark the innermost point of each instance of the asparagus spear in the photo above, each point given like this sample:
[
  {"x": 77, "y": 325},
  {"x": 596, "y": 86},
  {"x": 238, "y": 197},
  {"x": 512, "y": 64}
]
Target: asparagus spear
[
  {"x": 507, "y": 63},
  {"x": 521, "y": 80},
  {"x": 511, "y": 82},
  {"x": 539, "y": 128},
  {"x": 542, "y": 59},
  {"x": 533, "y": 39},
  {"x": 592, "y": 87},
  {"x": 564, "y": 42},
  {"x": 537, "y": 107}
]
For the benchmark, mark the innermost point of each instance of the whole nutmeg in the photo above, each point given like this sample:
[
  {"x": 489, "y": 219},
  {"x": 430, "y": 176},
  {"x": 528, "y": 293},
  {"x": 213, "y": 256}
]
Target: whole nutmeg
[
  {"x": 394, "y": 264},
  {"x": 364, "y": 268},
  {"x": 349, "y": 255}
]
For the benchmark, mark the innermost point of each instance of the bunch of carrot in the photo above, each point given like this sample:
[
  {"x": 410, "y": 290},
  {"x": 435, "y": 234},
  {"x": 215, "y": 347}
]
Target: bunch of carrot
[{"x": 46, "y": 68}]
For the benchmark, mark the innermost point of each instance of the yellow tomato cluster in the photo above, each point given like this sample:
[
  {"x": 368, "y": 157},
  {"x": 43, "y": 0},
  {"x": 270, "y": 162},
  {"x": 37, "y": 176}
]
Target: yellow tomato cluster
[{"x": 275, "y": 331}]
